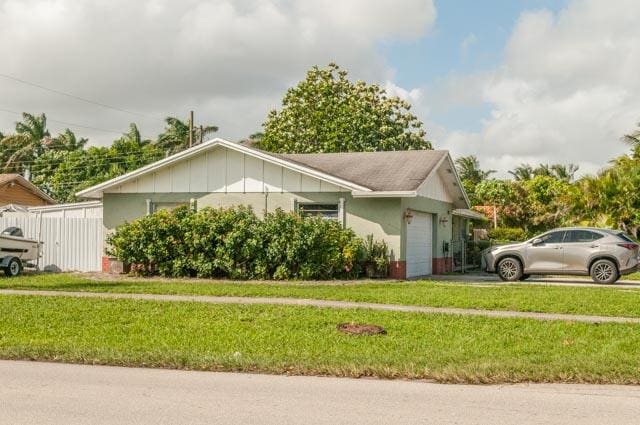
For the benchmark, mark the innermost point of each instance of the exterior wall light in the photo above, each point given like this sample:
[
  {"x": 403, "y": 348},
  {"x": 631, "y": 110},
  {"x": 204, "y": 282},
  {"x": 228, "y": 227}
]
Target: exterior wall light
[{"x": 408, "y": 216}]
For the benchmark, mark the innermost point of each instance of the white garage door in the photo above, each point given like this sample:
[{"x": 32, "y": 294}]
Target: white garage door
[{"x": 419, "y": 245}]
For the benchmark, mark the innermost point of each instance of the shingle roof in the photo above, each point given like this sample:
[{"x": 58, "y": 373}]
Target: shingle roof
[
  {"x": 10, "y": 177},
  {"x": 379, "y": 171}
]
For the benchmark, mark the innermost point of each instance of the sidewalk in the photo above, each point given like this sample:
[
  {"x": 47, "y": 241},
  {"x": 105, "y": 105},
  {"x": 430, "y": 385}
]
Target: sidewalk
[{"x": 329, "y": 304}]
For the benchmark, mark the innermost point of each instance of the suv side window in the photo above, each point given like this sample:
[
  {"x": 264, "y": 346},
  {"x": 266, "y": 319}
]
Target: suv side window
[
  {"x": 553, "y": 237},
  {"x": 577, "y": 236}
]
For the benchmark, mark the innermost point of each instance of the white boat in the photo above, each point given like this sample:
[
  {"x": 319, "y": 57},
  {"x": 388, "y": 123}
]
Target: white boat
[{"x": 16, "y": 250}]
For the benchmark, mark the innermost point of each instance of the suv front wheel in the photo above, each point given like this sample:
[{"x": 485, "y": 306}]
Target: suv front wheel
[
  {"x": 604, "y": 271},
  {"x": 509, "y": 269}
]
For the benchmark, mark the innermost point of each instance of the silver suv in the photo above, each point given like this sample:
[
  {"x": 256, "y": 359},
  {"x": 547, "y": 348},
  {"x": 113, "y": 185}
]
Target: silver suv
[{"x": 604, "y": 254}]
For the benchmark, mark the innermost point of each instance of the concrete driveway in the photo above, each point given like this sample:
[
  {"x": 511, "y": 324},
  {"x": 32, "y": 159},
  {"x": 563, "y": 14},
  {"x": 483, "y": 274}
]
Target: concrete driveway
[
  {"x": 38, "y": 393},
  {"x": 484, "y": 278}
]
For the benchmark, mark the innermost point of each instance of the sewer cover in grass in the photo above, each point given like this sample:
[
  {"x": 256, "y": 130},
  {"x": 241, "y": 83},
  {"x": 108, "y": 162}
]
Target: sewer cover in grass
[{"x": 361, "y": 329}]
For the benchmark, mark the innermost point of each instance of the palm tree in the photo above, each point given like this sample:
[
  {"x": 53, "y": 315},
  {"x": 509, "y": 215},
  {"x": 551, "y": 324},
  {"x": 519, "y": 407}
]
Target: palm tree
[
  {"x": 633, "y": 140},
  {"x": 469, "y": 169},
  {"x": 564, "y": 172},
  {"x": 176, "y": 135},
  {"x": 18, "y": 151},
  {"x": 67, "y": 140},
  {"x": 522, "y": 172}
]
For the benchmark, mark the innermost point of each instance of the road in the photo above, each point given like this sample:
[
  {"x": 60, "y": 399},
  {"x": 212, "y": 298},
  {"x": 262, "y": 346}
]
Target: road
[{"x": 51, "y": 393}]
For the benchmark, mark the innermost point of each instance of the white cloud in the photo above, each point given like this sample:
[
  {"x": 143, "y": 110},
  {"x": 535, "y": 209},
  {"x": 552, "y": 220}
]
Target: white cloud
[
  {"x": 469, "y": 40},
  {"x": 566, "y": 91},
  {"x": 229, "y": 60}
]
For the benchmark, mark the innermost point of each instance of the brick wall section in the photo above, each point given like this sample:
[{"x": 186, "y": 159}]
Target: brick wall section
[
  {"x": 398, "y": 269},
  {"x": 105, "y": 264},
  {"x": 113, "y": 266},
  {"x": 442, "y": 265}
]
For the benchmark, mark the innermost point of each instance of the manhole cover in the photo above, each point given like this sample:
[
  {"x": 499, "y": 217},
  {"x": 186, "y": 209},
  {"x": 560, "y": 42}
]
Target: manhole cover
[{"x": 361, "y": 329}]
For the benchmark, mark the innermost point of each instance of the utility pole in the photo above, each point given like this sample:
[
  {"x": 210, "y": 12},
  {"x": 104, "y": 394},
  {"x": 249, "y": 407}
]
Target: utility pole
[
  {"x": 201, "y": 133},
  {"x": 190, "y": 128}
]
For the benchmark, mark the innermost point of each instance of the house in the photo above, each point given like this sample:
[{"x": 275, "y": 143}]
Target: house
[
  {"x": 15, "y": 189},
  {"x": 411, "y": 199}
]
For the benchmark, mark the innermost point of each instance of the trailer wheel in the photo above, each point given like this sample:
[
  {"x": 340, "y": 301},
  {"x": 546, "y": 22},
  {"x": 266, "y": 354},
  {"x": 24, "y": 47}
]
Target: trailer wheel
[{"x": 13, "y": 268}]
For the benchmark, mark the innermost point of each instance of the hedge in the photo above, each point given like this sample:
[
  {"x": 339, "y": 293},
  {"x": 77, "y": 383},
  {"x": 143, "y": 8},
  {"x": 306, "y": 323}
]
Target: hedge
[
  {"x": 235, "y": 243},
  {"x": 509, "y": 234}
]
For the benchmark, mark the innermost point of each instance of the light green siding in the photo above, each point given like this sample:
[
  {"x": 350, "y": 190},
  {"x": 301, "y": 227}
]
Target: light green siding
[{"x": 381, "y": 217}]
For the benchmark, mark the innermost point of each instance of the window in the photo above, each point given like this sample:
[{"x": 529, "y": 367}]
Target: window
[
  {"x": 577, "y": 236},
  {"x": 328, "y": 211},
  {"x": 157, "y": 206},
  {"x": 626, "y": 237},
  {"x": 553, "y": 237}
]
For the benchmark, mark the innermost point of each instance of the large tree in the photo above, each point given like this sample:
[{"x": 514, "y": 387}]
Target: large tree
[
  {"x": 471, "y": 174},
  {"x": 564, "y": 172},
  {"x": 73, "y": 170},
  {"x": 327, "y": 112},
  {"x": 633, "y": 140},
  {"x": 176, "y": 135},
  {"x": 19, "y": 150}
]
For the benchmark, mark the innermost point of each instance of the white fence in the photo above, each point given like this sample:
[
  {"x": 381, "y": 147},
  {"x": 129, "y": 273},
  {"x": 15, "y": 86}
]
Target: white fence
[{"x": 70, "y": 244}]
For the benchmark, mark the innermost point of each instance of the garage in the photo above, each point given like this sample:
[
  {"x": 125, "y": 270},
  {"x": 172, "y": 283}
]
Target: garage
[{"x": 419, "y": 237}]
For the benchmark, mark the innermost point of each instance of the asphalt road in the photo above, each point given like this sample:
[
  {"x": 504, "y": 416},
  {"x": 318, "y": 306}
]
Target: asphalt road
[{"x": 49, "y": 393}]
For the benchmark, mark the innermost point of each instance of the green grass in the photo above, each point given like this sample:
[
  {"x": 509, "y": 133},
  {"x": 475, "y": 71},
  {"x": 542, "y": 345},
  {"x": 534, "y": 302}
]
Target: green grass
[
  {"x": 531, "y": 298},
  {"x": 304, "y": 340},
  {"x": 632, "y": 276}
]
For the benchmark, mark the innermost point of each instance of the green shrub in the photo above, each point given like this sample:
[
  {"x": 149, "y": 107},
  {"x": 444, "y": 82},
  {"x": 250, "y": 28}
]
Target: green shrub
[
  {"x": 507, "y": 234},
  {"x": 376, "y": 257},
  {"x": 234, "y": 243}
]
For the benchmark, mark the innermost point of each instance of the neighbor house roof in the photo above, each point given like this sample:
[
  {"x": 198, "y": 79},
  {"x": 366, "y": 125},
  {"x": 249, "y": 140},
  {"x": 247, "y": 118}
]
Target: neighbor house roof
[
  {"x": 366, "y": 174},
  {"x": 378, "y": 171},
  {"x": 9, "y": 178}
]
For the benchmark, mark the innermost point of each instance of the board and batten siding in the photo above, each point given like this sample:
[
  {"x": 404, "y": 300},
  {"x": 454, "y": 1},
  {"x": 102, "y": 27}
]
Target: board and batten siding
[
  {"x": 435, "y": 187},
  {"x": 222, "y": 170}
]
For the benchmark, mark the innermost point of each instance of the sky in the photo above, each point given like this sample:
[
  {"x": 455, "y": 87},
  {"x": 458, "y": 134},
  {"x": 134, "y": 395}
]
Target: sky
[{"x": 510, "y": 81}]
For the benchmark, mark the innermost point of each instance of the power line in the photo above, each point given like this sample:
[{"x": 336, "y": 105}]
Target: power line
[
  {"x": 69, "y": 123},
  {"x": 73, "y": 96}
]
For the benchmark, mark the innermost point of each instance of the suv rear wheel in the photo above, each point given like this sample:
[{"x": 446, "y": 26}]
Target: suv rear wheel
[
  {"x": 604, "y": 271},
  {"x": 509, "y": 269}
]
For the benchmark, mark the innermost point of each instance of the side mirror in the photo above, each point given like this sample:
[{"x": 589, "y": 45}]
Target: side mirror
[{"x": 536, "y": 242}]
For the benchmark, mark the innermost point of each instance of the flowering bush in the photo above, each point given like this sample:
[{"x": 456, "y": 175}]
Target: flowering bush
[{"x": 234, "y": 243}]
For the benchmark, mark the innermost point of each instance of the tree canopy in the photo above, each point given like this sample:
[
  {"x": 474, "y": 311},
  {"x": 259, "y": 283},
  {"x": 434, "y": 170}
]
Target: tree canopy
[
  {"x": 327, "y": 112},
  {"x": 62, "y": 165}
]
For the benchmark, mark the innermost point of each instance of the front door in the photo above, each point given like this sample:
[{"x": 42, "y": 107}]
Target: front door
[{"x": 547, "y": 256}]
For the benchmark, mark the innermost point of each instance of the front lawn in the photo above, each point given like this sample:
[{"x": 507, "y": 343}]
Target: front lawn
[
  {"x": 610, "y": 301},
  {"x": 304, "y": 340}
]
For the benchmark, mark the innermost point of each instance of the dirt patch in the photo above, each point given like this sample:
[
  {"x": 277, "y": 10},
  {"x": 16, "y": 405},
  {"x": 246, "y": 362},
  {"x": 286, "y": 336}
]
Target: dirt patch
[{"x": 361, "y": 329}]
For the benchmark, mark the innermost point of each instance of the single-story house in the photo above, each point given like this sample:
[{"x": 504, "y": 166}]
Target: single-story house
[
  {"x": 411, "y": 199},
  {"x": 15, "y": 189}
]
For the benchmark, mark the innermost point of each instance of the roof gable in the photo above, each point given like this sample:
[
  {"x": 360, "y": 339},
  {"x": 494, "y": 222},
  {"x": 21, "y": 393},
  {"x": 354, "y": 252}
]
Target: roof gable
[
  {"x": 151, "y": 177},
  {"x": 6, "y": 179}
]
